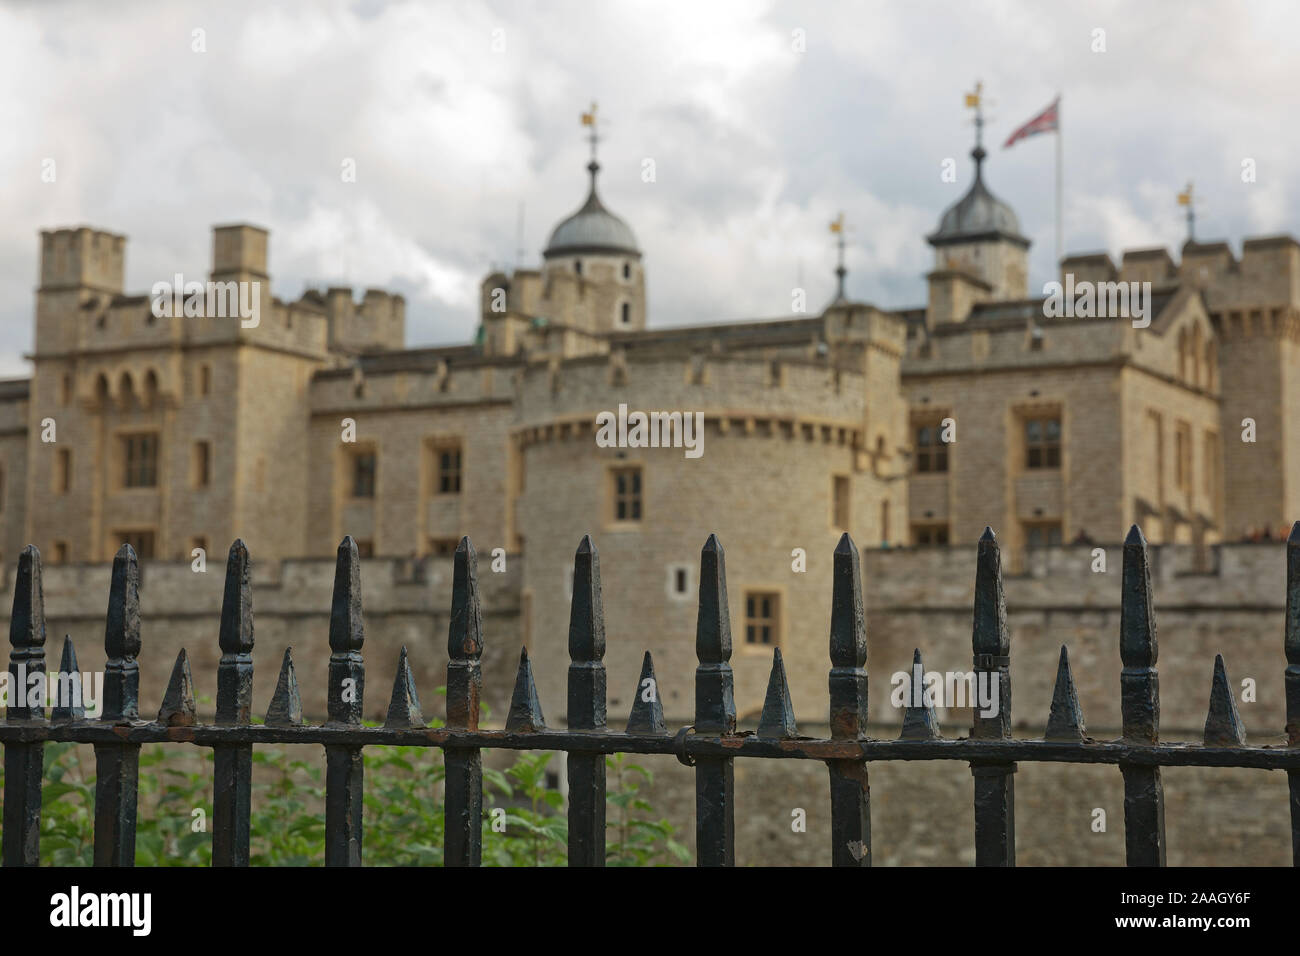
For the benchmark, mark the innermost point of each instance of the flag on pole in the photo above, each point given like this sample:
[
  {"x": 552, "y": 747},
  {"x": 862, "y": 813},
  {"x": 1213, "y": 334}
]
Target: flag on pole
[{"x": 1047, "y": 121}]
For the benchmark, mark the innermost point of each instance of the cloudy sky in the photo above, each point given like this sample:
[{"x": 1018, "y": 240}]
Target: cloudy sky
[{"x": 456, "y": 113}]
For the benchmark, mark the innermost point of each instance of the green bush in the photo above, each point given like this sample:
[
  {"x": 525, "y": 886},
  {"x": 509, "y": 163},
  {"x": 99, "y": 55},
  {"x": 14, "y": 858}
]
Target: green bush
[{"x": 403, "y": 811}]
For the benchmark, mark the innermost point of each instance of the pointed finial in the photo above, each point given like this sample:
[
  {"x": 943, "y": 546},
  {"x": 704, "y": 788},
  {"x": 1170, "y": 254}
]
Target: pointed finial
[
  {"x": 286, "y": 702},
  {"x": 347, "y": 629},
  {"x": 236, "y": 636},
  {"x": 465, "y": 635},
  {"x": 464, "y": 641},
  {"x": 715, "y": 705},
  {"x": 122, "y": 639},
  {"x": 525, "y": 714},
  {"x": 587, "y": 678},
  {"x": 1139, "y": 682},
  {"x": 647, "y": 715},
  {"x": 70, "y": 705},
  {"x": 1065, "y": 719},
  {"x": 347, "y": 673},
  {"x": 777, "y": 720},
  {"x": 919, "y": 719},
  {"x": 1223, "y": 726},
  {"x": 177, "y": 708},
  {"x": 235, "y": 669},
  {"x": 848, "y": 676},
  {"x": 27, "y": 632},
  {"x": 990, "y": 639},
  {"x": 404, "y": 705}
]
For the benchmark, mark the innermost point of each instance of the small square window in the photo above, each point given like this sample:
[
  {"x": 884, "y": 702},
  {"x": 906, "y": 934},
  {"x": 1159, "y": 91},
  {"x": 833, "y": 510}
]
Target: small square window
[{"x": 762, "y": 618}]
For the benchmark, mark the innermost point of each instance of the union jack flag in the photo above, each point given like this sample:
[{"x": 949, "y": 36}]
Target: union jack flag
[{"x": 1045, "y": 122}]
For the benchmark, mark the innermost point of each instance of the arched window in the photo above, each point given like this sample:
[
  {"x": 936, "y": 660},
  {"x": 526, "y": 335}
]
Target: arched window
[
  {"x": 625, "y": 314},
  {"x": 1182, "y": 355},
  {"x": 577, "y": 266},
  {"x": 1196, "y": 355},
  {"x": 627, "y": 270}
]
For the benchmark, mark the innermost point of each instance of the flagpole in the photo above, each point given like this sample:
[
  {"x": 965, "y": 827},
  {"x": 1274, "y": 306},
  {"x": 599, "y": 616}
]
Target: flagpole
[{"x": 1059, "y": 220}]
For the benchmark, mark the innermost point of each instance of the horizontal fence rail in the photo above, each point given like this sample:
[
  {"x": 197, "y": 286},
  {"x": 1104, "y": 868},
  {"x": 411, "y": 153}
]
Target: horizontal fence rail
[{"x": 711, "y": 745}]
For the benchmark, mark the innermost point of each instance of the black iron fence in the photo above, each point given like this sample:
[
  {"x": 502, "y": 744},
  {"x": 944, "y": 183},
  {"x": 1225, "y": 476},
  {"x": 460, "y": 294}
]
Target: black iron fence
[{"x": 711, "y": 745}]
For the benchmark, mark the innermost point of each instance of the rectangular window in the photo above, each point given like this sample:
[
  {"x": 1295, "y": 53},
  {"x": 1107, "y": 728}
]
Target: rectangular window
[
  {"x": 840, "y": 502},
  {"x": 447, "y": 460},
  {"x": 63, "y": 471},
  {"x": 762, "y": 617},
  {"x": 1043, "y": 442},
  {"x": 60, "y": 553},
  {"x": 365, "y": 548},
  {"x": 363, "y": 475},
  {"x": 626, "y": 493},
  {"x": 928, "y": 535},
  {"x": 140, "y": 456},
  {"x": 931, "y": 449},
  {"x": 141, "y": 541},
  {"x": 202, "y": 464},
  {"x": 1043, "y": 534},
  {"x": 200, "y": 542}
]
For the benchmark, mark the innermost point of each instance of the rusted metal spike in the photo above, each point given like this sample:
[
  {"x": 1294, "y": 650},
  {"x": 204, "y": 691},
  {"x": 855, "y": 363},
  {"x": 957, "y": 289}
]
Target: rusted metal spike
[
  {"x": 848, "y": 676},
  {"x": 777, "y": 720},
  {"x": 919, "y": 719},
  {"x": 235, "y": 669},
  {"x": 404, "y": 705},
  {"x": 464, "y": 641},
  {"x": 122, "y": 639},
  {"x": 1065, "y": 719},
  {"x": 465, "y": 634},
  {"x": 286, "y": 702},
  {"x": 647, "y": 715},
  {"x": 1292, "y": 642},
  {"x": 177, "y": 708},
  {"x": 1139, "y": 682},
  {"x": 27, "y": 633},
  {"x": 1223, "y": 726},
  {"x": 715, "y": 706},
  {"x": 70, "y": 705},
  {"x": 525, "y": 709}
]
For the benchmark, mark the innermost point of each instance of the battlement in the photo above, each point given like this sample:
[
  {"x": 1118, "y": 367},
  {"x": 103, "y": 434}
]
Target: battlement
[
  {"x": 239, "y": 249},
  {"x": 1266, "y": 274},
  {"x": 82, "y": 257}
]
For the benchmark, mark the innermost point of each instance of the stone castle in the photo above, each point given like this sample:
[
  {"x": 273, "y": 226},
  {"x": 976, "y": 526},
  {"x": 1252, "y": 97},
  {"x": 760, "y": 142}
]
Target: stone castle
[{"x": 909, "y": 427}]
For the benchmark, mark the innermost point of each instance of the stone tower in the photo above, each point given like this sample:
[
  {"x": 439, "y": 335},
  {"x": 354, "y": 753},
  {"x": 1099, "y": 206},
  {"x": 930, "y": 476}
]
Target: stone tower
[{"x": 979, "y": 253}]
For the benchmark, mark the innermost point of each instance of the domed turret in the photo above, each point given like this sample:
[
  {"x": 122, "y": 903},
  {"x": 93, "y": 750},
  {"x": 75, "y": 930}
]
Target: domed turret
[
  {"x": 592, "y": 229},
  {"x": 978, "y": 245},
  {"x": 978, "y": 214}
]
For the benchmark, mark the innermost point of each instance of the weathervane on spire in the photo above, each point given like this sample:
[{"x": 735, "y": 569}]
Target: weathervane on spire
[
  {"x": 837, "y": 227},
  {"x": 589, "y": 119},
  {"x": 977, "y": 101},
  {"x": 1187, "y": 198}
]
